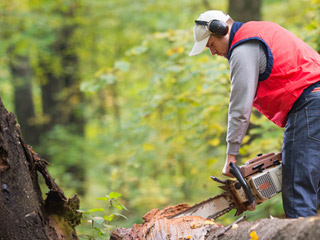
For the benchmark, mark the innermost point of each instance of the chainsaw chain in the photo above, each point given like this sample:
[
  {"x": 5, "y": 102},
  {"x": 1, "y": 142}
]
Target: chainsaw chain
[{"x": 223, "y": 212}]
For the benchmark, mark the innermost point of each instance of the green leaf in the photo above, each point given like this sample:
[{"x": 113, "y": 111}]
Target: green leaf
[
  {"x": 107, "y": 79},
  {"x": 103, "y": 199},
  {"x": 89, "y": 86},
  {"x": 101, "y": 231},
  {"x": 136, "y": 51},
  {"x": 118, "y": 205},
  {"x": 114, "y": 195},
  {"x": 96, "y": 210},
  {"x": 109, "y": 227},
  {"x": 122, "y": 66},
  {"x": 109, "y": 218},
  {"x": 120, "y": 215},
  {"x": 83, "y": 211},
  {"x": 98, "y": 220}
]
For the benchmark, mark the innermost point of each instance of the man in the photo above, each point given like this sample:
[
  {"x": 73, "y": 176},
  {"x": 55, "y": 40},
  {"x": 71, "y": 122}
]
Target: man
[{"x": 278, "y": 74}]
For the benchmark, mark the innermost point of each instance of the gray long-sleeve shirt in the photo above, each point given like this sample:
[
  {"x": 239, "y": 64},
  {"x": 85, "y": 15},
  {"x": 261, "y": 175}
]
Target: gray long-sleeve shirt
[{"x": 247, "y": 61}]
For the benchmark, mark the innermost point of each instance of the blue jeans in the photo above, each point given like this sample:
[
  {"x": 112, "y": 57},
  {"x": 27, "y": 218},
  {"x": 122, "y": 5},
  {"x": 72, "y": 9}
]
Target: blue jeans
[{"x": 301, "y": 159}]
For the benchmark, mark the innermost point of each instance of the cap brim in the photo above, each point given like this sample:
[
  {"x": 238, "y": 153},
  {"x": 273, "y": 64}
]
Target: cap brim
[{"x": 198, "y": 47}]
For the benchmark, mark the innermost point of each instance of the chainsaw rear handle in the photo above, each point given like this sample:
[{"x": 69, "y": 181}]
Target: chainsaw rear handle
[{"x": 235, "y": 171}]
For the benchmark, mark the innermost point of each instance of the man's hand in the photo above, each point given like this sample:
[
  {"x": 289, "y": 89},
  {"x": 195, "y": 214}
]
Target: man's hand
[{"x": 226, "y": 168}]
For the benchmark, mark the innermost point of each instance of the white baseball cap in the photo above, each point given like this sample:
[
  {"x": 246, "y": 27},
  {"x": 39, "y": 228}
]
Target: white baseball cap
[{"x": 202, "y": 33}]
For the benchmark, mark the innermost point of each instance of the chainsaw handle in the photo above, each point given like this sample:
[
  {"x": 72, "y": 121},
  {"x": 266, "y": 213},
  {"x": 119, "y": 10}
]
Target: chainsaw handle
[{"x": 235, "y": 171}]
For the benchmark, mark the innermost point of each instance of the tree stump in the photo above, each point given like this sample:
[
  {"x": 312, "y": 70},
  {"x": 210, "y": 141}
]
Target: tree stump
[{"x": 24, "y": 212}]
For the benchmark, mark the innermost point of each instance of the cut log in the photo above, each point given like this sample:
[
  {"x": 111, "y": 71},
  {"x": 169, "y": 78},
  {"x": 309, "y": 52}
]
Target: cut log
[
  {"x": 24, "y": 212},
  {"x": 276, "y": 229},
  {"x": 157, "y": 225}
]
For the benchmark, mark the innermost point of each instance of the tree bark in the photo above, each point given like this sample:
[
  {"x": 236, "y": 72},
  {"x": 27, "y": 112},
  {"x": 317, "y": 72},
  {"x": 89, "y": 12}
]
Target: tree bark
[
  {"x": 245, "y": 10},
  {"x": 24, "y": 213},
  {"x": 157, "y": 225}
]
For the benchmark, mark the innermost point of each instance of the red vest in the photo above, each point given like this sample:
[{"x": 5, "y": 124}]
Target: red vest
[{"x": 292, "y": 66}]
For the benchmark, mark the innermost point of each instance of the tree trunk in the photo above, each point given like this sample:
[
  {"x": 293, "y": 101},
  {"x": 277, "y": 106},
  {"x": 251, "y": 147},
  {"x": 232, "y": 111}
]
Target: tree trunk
[
  {"x": 61, "y": 95},
  {"x": 50, "y": 92},
  {"x": 245, "y": 10},
  {"x": 24, "y": 213},
  {"x": 157, "y": 225},
  {"x": 23, "y": 102}
]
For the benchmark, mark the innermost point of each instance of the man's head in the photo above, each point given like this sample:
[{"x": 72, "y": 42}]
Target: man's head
[{"x": 217, "y": 43}]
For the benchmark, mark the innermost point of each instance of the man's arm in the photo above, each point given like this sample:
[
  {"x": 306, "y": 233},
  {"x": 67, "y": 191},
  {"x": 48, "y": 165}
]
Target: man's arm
[{"x": 246, "y": 63}]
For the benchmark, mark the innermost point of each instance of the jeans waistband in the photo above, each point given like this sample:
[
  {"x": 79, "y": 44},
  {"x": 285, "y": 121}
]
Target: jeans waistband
[{"x": 305, "y": 92}]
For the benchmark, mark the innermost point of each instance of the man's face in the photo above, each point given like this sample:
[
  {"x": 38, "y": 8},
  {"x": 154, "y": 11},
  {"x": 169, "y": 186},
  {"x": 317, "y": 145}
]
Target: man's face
[{"x": 218, "y": 45}]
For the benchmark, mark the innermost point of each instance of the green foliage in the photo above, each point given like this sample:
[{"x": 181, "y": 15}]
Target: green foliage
[
  {"x": 70, "y": 154},
  {"x": 101, "y": 227},
  {"x": 313, "y": 18}
]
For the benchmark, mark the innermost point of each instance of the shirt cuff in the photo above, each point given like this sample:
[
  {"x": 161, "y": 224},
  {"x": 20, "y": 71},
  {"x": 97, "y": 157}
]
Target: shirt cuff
[{"x": 233, "y": 148}]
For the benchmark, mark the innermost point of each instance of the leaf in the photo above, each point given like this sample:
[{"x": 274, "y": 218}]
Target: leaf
[
  {"x": 178, "y": 50},
  {"x": 122, "y": 66},
  {"x": 107, "y": 79},
  {"x": 234, "y": 226},
  {"x": 253, "y": 235},
  {"x": 214, "y": 142},
  {"x": 83, "y": 211},
  {"x": 120, "y": 215},
  {"x": 109, "y": 227},
  {"x": 116, "y": 204},
  {"x": 101, "y": 231},
  {"x": 96, "y": 210},
  {"x": 136, "y": 51},
  {"x": 103, "y": 199},
  {"x": 114, "y": 195},
  {"x": 89, "y": 87},
  {"x": 84, "y": 86},
  {"x": 109, "y": 218},
  {"x": 148, "y": 147},
  {"x": 98, "y": 220}
]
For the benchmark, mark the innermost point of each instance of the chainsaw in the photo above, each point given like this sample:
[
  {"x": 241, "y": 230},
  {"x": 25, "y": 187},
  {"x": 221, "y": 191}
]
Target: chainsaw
[{"x": 258, "y": 180}]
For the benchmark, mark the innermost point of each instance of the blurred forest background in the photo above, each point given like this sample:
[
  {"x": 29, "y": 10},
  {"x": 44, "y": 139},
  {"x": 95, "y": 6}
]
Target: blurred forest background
[{"x": 106, "y": 92}]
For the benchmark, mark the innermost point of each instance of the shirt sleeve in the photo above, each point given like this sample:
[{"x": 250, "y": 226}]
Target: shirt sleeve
[{"x": 247, "y": 61}]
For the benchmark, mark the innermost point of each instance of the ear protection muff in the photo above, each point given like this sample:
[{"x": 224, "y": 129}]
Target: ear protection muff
[{"x": 216, "y": 27}]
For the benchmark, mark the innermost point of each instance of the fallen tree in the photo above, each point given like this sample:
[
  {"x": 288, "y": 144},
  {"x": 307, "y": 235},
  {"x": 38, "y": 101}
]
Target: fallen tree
[
  {"x": 158, "y": 225},
  {"x": 24, "y": 212}
]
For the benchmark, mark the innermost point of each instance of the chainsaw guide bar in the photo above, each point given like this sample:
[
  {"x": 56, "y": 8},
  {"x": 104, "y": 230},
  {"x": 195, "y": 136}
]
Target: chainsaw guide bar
[{"x": 219, "y": 205}]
